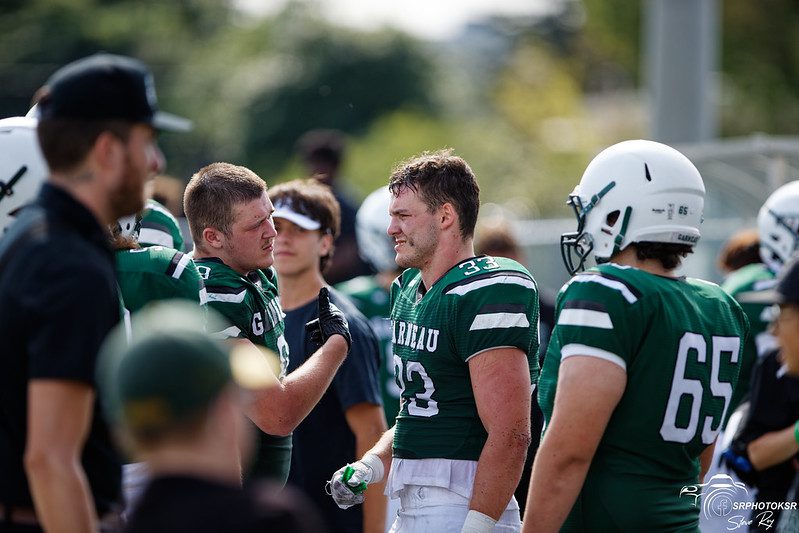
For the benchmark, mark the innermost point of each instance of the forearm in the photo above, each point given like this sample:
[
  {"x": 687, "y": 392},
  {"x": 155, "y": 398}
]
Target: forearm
[
  {"x": 374, "y": 506},
  {"x": 383, "y": 449},
  {"x": 61, "y": 494},
  {"x": 498, "y": 471},
  {"x": 554, "y": 486},
  {"x": 773, "y": 448},
  {"x": 279, "y": 410}
]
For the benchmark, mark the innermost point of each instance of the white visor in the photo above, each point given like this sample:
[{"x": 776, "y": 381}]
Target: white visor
[{"x": 284, "y": 210}]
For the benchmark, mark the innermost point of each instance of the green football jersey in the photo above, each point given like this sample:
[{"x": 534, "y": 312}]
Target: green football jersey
[
  {"x": 741, "y": 284},
  {"x": 679, "y": 341},
  {"x": 479, "y": 304},
  {"x": 159, "y": 227},
  {"x": 156, "y": 273},
  {"x": 250, "y": 303},
  {"x": 374, "y": 302}
]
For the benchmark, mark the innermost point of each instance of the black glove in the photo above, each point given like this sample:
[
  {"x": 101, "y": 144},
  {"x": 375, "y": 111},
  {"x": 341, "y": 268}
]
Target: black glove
[{"x": 331, "y": 321}]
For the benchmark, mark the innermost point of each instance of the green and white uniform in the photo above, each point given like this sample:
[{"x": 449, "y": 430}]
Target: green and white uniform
[
  {"x": 159, "y": 227},
  {"x": 742, "y": 284},
  {"x": 250, "y": 303},
  {"x": 156, "y": 273},
  {"x": 374, "y": 302},
  {"x": 679, "y": 341},
  {"x": 480, "y": 304}
]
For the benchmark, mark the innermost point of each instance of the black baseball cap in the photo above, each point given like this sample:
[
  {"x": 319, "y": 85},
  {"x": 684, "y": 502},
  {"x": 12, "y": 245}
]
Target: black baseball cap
[{"x": 106, "y": 87}]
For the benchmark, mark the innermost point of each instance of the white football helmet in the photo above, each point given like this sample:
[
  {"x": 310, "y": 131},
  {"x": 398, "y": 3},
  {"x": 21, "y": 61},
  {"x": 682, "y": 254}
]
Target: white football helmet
[
  {"x": 371, "y": 229},
  {"x": 778, "y": 226},
  {"x": 22, "y": 167},
  {"x": 633, "y": 191}
]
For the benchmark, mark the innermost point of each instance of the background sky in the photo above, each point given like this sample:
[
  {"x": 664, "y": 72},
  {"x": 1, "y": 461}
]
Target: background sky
[{"x": 427, "y": 19}]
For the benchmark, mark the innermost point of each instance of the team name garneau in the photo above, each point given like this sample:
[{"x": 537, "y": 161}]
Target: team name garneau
[
  {"x": 273, "y": 317},
  {"x": 414, "y": 336}
]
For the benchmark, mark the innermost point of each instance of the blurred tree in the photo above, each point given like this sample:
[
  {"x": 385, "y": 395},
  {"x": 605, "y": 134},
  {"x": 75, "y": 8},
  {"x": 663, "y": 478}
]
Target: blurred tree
[{"x": 329, "y": 77}]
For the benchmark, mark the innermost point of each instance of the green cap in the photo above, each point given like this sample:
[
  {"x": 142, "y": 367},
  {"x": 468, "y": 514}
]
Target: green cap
[{"x": 172, "y": 368}]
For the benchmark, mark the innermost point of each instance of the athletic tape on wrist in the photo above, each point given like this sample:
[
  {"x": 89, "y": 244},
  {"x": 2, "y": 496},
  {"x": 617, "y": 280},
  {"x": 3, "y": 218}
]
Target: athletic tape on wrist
[
  {"x": 376, "y": 464},
  {"x": 477, "y": 522}
]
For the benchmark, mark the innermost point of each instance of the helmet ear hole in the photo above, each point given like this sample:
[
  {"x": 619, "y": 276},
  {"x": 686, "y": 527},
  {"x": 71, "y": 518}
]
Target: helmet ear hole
[{"x": 612, "y": 218}]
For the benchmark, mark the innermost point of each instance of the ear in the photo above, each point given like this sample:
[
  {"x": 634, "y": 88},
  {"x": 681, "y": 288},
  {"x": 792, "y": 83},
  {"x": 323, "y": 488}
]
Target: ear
[
  {"x": 447, "y": 216},
  {"x": 326, "y": 244},
  {"x": 214, "y": 238},
  {"x": 107, "y": 155}
]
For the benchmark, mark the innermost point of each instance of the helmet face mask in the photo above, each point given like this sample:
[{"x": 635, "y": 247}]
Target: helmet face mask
[
  {"x": 778, "y": 226},
  {"x": 22, "y": 167},
  {"x": 634, "y": 191}
]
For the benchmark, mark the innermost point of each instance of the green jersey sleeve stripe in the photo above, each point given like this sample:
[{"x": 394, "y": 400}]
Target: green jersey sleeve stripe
[
  {"x": 581, "y": 349},
  {"x": 499, "y": 278},
  {"x": 227, "y": 333},
  {"x": 203, "y": 296},
  {"x": 623, "y": 288},
  {"x": 224, "y": 297},
  {"x": 499, "y": 321},
  {"x": 184, "y": 260},
  {"x": 585, "y": 317},
  {"x": 156, "y": 237}
]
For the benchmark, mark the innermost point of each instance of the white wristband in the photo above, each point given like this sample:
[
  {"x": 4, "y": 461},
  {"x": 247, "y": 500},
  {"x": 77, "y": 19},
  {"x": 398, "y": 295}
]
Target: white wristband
[
  {"x": 477, "y": 522},
  {"x": 376, "y": 464}
]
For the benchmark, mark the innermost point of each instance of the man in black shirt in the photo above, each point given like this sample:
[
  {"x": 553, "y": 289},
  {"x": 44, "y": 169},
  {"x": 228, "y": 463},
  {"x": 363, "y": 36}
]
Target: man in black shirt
[{"x": 58, "y": 294}]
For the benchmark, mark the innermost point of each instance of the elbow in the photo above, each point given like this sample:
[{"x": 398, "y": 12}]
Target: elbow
[
  {"x": 38, "y": 462},
  {"x": 274, "y": 425},
  {"x": 757, "y": 457}
]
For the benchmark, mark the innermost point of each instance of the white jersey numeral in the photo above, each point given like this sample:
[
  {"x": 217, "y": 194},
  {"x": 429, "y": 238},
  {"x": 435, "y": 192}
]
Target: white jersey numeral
[
  {"x": 682, "y": 385},
  {"x": 405, "y": 375}
]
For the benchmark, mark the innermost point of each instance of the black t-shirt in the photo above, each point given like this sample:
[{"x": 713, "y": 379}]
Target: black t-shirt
[
  {"x": 176, "y": 504},
  {"x": 773, "y": 406},
  {"x": 58, "y": 300},
  {"x": 323, "y": 442}
]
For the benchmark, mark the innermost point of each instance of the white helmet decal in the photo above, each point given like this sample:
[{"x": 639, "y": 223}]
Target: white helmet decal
[
  {"x": 633, "y": 191},
  {"x": 778, "y": 226},
  {"x": 22, "y": 167}
]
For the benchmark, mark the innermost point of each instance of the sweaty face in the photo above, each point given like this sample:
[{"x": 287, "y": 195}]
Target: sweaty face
[
  {"x": 251, "y": 238},
  {"x": 413, "y": 228},
  {"x": 297, "y": 250},
  {"x": 143, "y": 160},
  {"x": 786, "y": 329}
]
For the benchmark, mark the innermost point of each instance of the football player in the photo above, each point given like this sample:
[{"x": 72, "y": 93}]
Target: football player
[
  {"x": 230, "y": 219},
  {"x": 159, "y": 227},
  {"x": 464, "y": 338},
  {"x": 644, "y": 361},
  {"x": 778, "y": 230}
]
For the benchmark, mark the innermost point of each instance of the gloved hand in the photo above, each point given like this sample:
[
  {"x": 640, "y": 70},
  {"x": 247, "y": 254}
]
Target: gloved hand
[
  {"x": 331, "y": 321},
  {"x": 348, "y": 484}
]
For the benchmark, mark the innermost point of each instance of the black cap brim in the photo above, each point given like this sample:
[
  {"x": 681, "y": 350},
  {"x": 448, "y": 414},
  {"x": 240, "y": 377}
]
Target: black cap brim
[{"x": 169, "y": 122}]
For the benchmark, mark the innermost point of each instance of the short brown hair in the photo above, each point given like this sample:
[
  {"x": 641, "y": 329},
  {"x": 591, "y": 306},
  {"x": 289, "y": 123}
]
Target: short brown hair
[
  {"x": 65, "y": 143},
  {"x": 494, "y": 236},
  {"x": 439, "y": 178},
  {"x": 315, "y": 200},
  {"x": 213, "y": 191},
  {"x": 742, "y": 249}
]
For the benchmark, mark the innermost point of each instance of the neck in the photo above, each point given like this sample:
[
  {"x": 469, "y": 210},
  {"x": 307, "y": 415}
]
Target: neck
[
  {"x": 84, "y": 189},
  {"x": 629, "y": 257},
  {"x": 203, "y": 459},
  {"x": 448, "y": 254},
  {"x": 298, "y": 290}
]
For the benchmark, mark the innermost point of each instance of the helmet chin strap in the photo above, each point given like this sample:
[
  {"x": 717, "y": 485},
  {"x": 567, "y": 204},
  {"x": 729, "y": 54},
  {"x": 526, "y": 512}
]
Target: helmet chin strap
[{"x": 625, "y": 221}]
